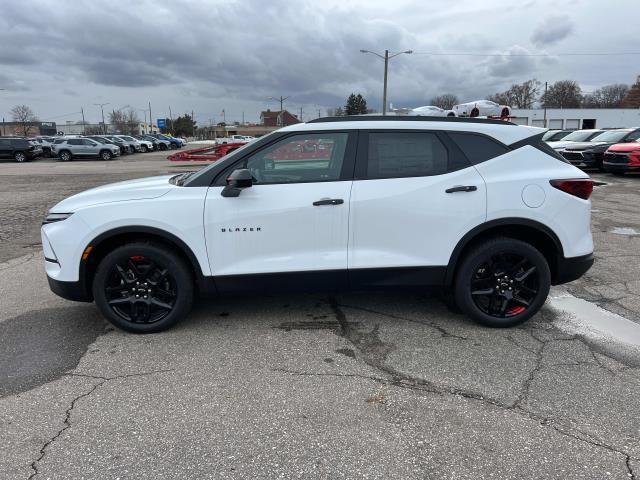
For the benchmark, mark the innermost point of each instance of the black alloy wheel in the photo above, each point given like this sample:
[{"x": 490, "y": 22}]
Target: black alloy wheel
[
  {"x": 502, "y": 282},
  {"x": 143, "y": 288}
]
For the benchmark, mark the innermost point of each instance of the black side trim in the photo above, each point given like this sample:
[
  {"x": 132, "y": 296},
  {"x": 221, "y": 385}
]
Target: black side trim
[
  {"x": 51, "y": 260},
  {"x": 408, "y": 118},
  {"x": 70, "y": 290},
  {"x": 323, "y": 280},
  {"x": 401, "y": 277},
  {"x": 536, "y": 142},
  {"x": 570, "y": 269},
  {"x": 464, "y": 241}
]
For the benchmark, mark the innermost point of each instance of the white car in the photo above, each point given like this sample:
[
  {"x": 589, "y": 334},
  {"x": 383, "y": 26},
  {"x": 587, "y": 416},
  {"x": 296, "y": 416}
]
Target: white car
[
  {"x": 481, "y": 108},
  {"x": 480, "y": 207},
  {"x": 428, "y": 111}
]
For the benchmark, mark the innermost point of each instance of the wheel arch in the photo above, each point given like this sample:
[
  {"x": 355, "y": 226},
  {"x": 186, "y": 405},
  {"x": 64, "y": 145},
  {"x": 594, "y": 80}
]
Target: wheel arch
[
  {"x": 107, "y": 241},
  {"x": 530, "y": 231}
]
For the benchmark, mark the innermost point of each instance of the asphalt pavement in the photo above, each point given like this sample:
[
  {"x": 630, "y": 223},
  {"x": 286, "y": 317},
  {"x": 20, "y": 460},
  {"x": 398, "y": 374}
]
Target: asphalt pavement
[{"x": 358, "y": 385}]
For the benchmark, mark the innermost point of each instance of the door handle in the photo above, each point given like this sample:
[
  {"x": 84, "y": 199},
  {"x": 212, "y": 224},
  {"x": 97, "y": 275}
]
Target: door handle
[
  {"x": 328, "y": 201},
  {"x": 462, "y": 188}
]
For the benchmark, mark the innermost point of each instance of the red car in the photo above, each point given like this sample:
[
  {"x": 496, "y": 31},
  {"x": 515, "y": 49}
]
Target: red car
[{"x": 622, "y": 157}]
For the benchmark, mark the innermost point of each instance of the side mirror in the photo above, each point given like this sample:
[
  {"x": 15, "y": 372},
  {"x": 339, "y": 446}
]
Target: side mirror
[{"x": 238, "y": 180}]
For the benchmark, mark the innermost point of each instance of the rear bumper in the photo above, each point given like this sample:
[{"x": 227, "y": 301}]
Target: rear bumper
[
  {"x": 572, "y": 268},
  {"x": 75, "y": 291}
]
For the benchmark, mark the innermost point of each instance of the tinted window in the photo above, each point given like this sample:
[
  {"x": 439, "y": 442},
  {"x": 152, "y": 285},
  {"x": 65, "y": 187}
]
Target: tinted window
[
  {"x": 478, "y": 148},
  {"x": 410, "y": 154},
  {"x": 59, "y": 141},
  {"x": 5, "y": 142},
  {"x": 74, "y": 141},
  {"x": 634, "y": 136},
  {"x": 299, "y": 158}
]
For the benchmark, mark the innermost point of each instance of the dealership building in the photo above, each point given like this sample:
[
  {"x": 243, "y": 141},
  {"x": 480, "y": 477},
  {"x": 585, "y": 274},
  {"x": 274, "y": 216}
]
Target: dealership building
[{"x": 577, "y": 118}]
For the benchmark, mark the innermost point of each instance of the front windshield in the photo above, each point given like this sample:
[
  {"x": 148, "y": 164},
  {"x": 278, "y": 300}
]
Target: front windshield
[
  {"x": 611, "y": 136},
  {"x": 580, "y": 136}
]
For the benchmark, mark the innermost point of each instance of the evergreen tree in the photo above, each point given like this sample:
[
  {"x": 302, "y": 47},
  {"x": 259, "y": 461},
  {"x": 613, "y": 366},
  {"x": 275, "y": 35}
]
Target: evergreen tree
[{"x": 356, "y": 105}]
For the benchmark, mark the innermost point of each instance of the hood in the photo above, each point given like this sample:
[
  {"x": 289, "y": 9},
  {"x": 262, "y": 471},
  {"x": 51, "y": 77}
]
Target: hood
[
  {"x": 625, "y": 147},
  {"x": 143, "y": 188},
  {"x": 579, "y": 146}
]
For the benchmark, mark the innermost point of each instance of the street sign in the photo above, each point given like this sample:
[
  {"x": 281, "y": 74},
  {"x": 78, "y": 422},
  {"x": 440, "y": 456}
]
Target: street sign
[{"x": 161, "y": 122}]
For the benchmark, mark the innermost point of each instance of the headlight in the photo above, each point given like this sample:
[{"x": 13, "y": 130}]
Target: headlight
[{"x": 55, "y": 217}]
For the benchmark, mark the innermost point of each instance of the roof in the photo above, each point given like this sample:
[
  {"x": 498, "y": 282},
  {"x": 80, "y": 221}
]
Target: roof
[{"x": 505, "y": 132}]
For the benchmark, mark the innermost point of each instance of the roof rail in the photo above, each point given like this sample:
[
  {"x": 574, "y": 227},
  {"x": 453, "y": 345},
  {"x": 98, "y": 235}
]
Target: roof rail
[{"x": 408, "y": 118}]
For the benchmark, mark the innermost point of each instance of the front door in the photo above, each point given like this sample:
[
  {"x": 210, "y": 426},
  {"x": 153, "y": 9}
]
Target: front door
[
  {"x": 292, "y": 223},
  {"x": 412, "y": 200}
]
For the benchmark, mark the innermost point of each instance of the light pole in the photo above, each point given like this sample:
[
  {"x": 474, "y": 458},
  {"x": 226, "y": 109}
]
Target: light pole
[
  {"x": 281, "y": 100},
  {"x": 144, "y": 110},
  {"x": 386, "y": 57},
  {"x": 104, "y": 126},
  {"x": 3, "y": 130}
]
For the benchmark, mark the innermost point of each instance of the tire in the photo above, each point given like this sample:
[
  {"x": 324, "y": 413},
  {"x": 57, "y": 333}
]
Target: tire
[
  {"x": 140, "y": 267},
  {"x": 475, "y": 112},
  {"x": 173, "y": 146},
  {"x": 451, "y": 114},
  {"x": 106, "y": 155},
  {"x": 20, "y": 157},
  {"x": 144, "y": 148},
  {"x": 132, "y": 149},
  {"x": 516, "y": 267},
  {"x": 505, "y": 112},
  {"x": 46, "y": 151},
  {"x": 163, "y": 147},
  {"x": 65, "y": 155}
]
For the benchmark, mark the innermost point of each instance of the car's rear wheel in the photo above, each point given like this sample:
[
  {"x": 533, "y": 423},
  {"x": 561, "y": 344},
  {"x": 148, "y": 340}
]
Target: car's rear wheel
[
  {"x": 20, "y": 157},
  {"x": 163, "y": 146},
  {"x": 65, "y": 155},
  {"x": 502, "y": 282},
  {"x": 173, "y": 146},
  {"x": 474, "y": 112},
  {"x": 143, "y": 288},
  {"x": 505, "y": 112},
  {"x": 105, "y": 155}
]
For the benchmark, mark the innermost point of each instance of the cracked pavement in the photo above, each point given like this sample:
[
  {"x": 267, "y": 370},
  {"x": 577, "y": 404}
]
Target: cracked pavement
[{"x": 389, "y": 385}]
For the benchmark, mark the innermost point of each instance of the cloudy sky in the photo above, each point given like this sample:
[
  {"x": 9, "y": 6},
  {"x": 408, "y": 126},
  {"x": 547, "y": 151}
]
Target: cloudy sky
[{"x": 209, "y": 55}]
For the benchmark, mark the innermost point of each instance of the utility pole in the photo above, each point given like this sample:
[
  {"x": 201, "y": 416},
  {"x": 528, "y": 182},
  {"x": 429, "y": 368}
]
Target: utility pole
[
  {"x": 150, "y": 118},
  {"x": 318, "y": 113},
  {"x": 84, "y": 124},
  {"x": 3, "y": 126},
  {"x": 243, "y": 119},
  {"x": 104, "y": 126},
  {"x": 545, "y": 104},
  {"x": 386, "y": 57},
  {"x": 281, "y": 100},
  {"x": 300, "y": 113},
  {"x": 193, "y": 126},
  {"x": 171, "y": 117}
]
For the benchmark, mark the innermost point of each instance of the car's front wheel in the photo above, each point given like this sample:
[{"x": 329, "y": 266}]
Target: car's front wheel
[
  {"x": 20, "y": 157},
  {"x": 105, "y": 155},
  {"x": 502, "y": 282},
  {"x": 144, "y": 148},
  {"x": 143, "y": 288}
]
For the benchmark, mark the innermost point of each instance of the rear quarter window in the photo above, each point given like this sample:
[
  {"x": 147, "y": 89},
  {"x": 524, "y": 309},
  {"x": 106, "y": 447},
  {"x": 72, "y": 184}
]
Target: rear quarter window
[{"x": 478, "y": 148}]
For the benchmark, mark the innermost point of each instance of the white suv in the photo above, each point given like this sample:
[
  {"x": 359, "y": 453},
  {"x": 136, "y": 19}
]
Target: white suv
[{"x": 480, "y": 207}]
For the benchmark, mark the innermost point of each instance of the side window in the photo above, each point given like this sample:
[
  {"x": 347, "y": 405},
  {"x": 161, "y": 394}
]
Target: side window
[
  {"x": 299, "y": 159},
  {"x": 74, "y": 141},
  {"x": 405, "y": 154},
  {"x": 4, "y": 142},
  {"x": 634, "y": 135},
  {"x": 478, "y": 148},
  {"x": 86, "y": 141}
]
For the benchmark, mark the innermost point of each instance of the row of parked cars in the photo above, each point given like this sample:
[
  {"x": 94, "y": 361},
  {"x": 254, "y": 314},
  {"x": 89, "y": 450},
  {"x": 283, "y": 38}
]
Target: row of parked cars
[
  {"x": 104, "y": 147},
  {"x": 616, "y": 151}
]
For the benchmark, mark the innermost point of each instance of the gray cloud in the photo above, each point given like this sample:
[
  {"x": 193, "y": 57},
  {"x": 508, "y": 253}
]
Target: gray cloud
[{"x": 552, "y": 29}]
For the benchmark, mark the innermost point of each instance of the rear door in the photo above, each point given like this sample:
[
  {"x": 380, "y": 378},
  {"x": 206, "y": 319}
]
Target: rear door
[
  {"x": 5, "y": 147},
  {"x": 293, "y": 221},
  {"x": 413, "y": 198}
]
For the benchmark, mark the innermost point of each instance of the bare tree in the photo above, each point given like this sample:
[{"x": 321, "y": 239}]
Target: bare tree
[
  {"x": 563, "y": 94},
  {"x": 445, "y": 101},
  {"x": 25, "y": 118},
  {"x": 609, "y": 96},
  {"x": 125, "y": 121},
  {"x": 632, "y": 99},
  {"x": 519, "y": 95}
]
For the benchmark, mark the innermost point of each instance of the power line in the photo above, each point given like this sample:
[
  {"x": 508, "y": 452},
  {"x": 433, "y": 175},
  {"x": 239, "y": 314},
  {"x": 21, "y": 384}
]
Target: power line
[{"x": 458, "y": 54}]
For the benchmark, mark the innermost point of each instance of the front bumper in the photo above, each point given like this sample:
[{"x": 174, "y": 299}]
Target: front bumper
[
  {"x": 572, "y": 268},
  {"x": 74, "y": 291}
]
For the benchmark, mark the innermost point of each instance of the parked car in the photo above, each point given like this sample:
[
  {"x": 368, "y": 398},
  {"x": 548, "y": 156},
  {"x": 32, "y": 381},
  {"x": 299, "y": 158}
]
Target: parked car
[
  {"x": 429, "y": 111},
  {"x": 45, "y": 143},
  {"x": 137, "y": 145},
  {"x": 578, "y": 136},
  {"x": 124, "y": 146},
  {"x": 160, "y": 143},
  {"x": 101, "y": 139},
  {"x": 591, "y": 154},
  {"x": 19, "y": 148},
  {"x": 480, "y": 108},
  {"x": 512, "y": 218},
  {"x": 70, "y": 148},
  {"x": 152, "y": 142},
  {"x": 622, "y": 157},
  {"x": 173, "y": 142},
  {"x": 555, "y": 135}
]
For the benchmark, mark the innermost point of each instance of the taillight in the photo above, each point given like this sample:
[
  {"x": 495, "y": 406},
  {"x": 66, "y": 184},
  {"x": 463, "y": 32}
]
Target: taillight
[{"x": 579, "y": 187}]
